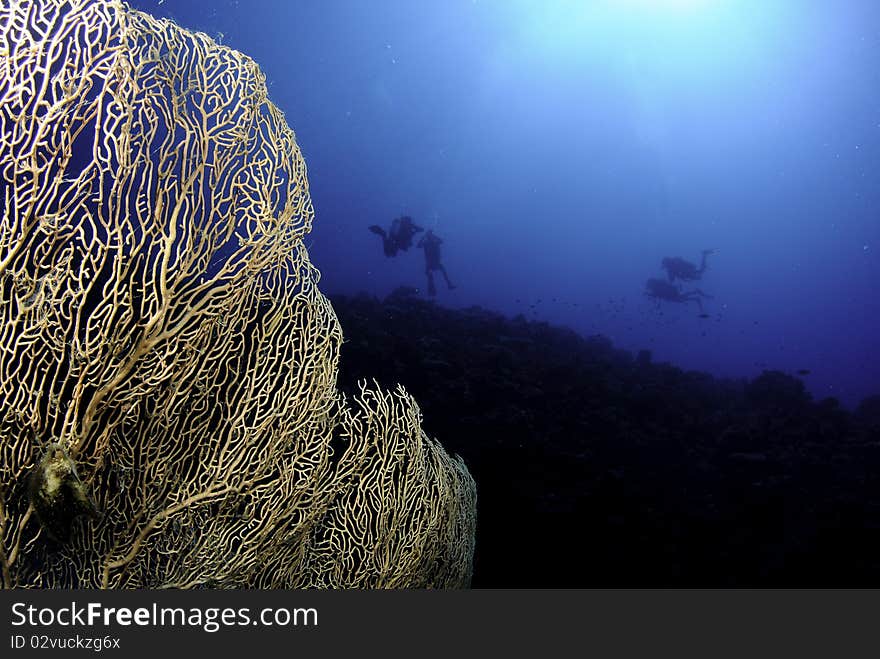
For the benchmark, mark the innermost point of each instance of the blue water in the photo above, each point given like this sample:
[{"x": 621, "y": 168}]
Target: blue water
[{"x": 561, "y": 149}]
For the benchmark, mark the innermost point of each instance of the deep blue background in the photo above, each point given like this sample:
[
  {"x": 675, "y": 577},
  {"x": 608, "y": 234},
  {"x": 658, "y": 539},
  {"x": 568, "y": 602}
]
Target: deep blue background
[{"x": 562, "y": 148}]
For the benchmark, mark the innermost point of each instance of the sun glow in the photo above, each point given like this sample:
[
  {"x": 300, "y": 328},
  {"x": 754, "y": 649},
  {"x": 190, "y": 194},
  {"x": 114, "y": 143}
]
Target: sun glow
[
  {"x": 660, "y": 5},
  {"x": 686, "y": 41}
]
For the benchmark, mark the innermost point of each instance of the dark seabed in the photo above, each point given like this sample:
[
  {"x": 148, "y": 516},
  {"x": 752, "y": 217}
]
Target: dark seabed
[{"x": 599, "y": 467}]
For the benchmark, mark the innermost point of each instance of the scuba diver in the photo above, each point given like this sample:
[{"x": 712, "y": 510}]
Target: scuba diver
[
  {"x": 399, "y": 236},
  {"x": 431, "y": 244},
  {"x": 663, "y": 290},
  {"x": 678, "y": 268}
]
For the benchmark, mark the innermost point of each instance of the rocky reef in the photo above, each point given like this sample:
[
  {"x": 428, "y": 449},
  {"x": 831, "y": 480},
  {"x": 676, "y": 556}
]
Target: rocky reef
[{"x": 600, "y": 468}]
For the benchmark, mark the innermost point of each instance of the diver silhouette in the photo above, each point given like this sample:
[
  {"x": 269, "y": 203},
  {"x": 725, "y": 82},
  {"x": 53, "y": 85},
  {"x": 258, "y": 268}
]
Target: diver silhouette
[
  {"x": 678, "y": 268},
  {"x": 399, "y": 236},
  {"x": 431, "y": 244},
  {"x": 660, "y": 289}
]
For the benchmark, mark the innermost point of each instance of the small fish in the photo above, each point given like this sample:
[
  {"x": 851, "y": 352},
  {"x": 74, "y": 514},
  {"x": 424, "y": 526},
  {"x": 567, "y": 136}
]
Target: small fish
[
  {"x": 804, "y": 371},
  {"x": 703, "y": 315}
]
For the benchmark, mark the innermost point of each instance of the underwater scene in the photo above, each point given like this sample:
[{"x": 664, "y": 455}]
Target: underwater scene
[{"x": 460, "y": 293}]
